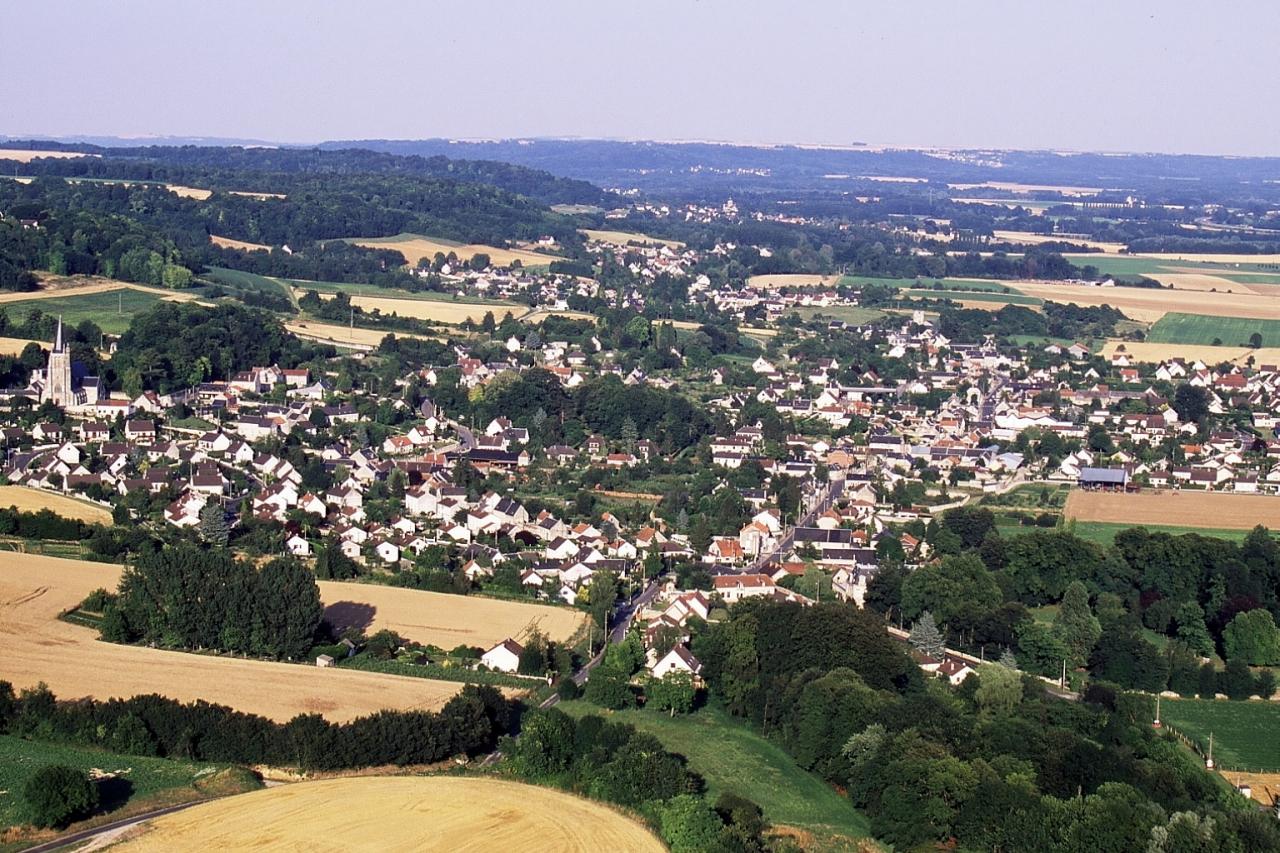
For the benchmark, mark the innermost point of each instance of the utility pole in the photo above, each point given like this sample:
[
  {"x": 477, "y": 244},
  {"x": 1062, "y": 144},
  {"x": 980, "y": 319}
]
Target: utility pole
[{"x": 1208, "y": 762}]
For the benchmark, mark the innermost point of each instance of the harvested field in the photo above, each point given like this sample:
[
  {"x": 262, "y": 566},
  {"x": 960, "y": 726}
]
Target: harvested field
[
  {"x": 399, "y": 813},
  {"x": 345, "y": 336},
  {"x": 242, "y": 245},
  {"x": 624, "y": 238},
  {"x": 258, "y": 196},
  {"x": 440, "y": 311},
  {"x": 1030, "y": 239},
  {"x": 1155, "y": 352},
  {"x": 74, "y": 663},
  {"x": 441, "y": 619},
  {"x": 415, "y": 247},
  {"x": 26, "y": 155},
  {"x": 1179, "y": 508},
  {"x": 34, "y": 500},
  {"x": 1203, "y": 282},
  {"x": 1028, "y": 188},
  {"x": 1150, "y": 304},
  {"x": 1210, "y": 258},
  {"x": 15, "y": 346},
  {"x": 773, "y": 282},
  {"x": 538, "y": 315}
]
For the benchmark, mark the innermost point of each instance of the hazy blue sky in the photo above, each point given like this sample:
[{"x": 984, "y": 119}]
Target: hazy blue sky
[{"x": 1161, "y": 75}]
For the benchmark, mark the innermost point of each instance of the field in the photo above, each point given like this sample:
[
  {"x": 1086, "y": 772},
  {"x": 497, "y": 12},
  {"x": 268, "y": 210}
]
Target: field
[
  {"x": 34, "y": 500},
  {"x": 732, "y": 757},
  {"x": 188, "y": 192},
  {"x": 242, "y": 245},
  {"x": 1244, "y": 733},
  {"x": 345, "y": 336},
  {"x": 1036, "y": 239},
  {"x": 1178, "y": 509},
  {"x": 1178, "y": 328},
  {"x": 1153, "y": 352},
  {"x": 70, "y": 659},
  {"x": 157, "y": 781},
  {"x": 441, "y": 619},
  {"x": 438, "y": 310},
  {"x": 395, "y": 813},
  {"x": 24, "y": 155},
  {"x": 852, "y": 314},
  {"x": 113, "y": 309},
  {"x": 623, "y": 238},
  {"x": 1150, "y": 304},
  {"x": 772, "y": 282},
  {"x": 414, "y": 247},
  {"x": 1104, "y": 532},
  {"x": 1028, "y": 188},
  {"x": 15, "y": 346}
]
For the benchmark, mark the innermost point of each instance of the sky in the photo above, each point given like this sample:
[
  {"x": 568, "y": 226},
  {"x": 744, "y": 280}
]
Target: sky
[{"x": 1160, "y": 75}]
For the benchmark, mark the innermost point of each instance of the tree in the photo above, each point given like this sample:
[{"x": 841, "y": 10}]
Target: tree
[
  {"x": 546, "y": 744},
  {"x": 999, "y": 688},
  {"x": 1191, "y": 403},
  {"x": 1252, "y": 637},
  {"x": 926, "y": 638},
  {"x": 689, "y": 825},
  {"x": 673, "y": 692},
  {"x": 287, "y": 609},
  {"x": 970, "y": 523},
  {"x": 1076, "y": 624},
  {"x": 1236, "y": 680},
  {"x": 57, "y": 794},
  {"x": 608, "y": 688},
  {"x": 1191, "y": 628},
  {"x": 1007, "y": 659},
  {"x": 957, "y": 588},
  {"x": 213, "y": 524}
]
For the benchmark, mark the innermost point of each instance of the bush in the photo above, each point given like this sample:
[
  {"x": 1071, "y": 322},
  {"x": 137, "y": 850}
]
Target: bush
[
  {"x": 57, "y": 795},
  {"x": 97, "y": 601},
  {"x": 608, "y": 688},
  {"x": 568, "y": 689}
]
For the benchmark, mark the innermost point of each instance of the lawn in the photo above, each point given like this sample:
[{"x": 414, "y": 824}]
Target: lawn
[
  {"x": 732, "y": 757},
  {"x": 1244, "y": 733},
  {"x": 1176, "y": 328},
  {"x": 112, "y": 310},
  {"x": 140, "y": 778}
]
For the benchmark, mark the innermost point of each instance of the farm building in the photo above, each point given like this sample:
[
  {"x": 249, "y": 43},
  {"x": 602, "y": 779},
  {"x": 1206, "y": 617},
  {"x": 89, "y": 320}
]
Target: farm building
[{"x": 1103, "y": 478}]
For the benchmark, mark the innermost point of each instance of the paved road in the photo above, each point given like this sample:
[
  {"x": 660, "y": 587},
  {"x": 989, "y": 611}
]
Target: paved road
[
  {"x": 829, "y": 495},
  {"x": 466, "y": 439},
  {"x": 87, "y": 834}
]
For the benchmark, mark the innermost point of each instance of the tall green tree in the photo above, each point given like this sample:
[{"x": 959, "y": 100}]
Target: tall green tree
[{"x": 1076, "y": 624}]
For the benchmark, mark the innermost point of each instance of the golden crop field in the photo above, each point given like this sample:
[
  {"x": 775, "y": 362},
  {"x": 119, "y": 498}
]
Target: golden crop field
[
  {"x": 440, "y": 311},
  {"x": 459, "y": 814},
  {"x": 74, "y": 663},
  {"x": 772, "y": 282},
  {"x": 242, "y": 245},
  {"x": 538, "y": 315},
  {"x": 1223, "y": 510},
  {"x": 340, "y": 335},
  {"x": 15, "y": 346},
  {"x": 1210, "y": 257},
  {"x": 188, "y": 192},
  {"x": 1150, "y": 304},
  {"x": 25, "y": 155},
  {"x": 1036, "y": 239},
  {"x": 1211, "y": 355},
  {"x": 1027, "y": 188},
  {"x": 624, "y": 238},
  {"x": 258, "y": 196},
  {"x": 441, "y": 619},
  {"x": 34, "y": 500},
  {"x": 414, "y": 247},
  {"x": 53, "y": 287}
]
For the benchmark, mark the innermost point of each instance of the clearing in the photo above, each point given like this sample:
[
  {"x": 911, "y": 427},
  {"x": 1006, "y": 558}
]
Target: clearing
[
  {"x": 34, "y": 500},
  {"x": 1244, "y": 733},
  {"x": 414, "y": 247},
  {"x": 134, "y": 784},
  {"x": 74, "y": 663},
  {"x": 626, "y": 238},
  {"x": 442, "y": 619},
  {"x": 772, "y": 282},
  {"x": 732, "y": 757},
  {"x": 1176, "y": 508},
  {"x": 394, "y": 813},
  {"x": 242, "y": 245}
]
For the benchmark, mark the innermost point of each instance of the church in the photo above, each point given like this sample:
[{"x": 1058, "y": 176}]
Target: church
[{"x": 63, "y": 382}]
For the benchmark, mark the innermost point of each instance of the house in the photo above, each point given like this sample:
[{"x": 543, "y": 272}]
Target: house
[
  {"x": 955, "y": 670},
  {"x": 140, "y": 431},
  {"x": 298, "y": 546},
  {"x": 324, "y": 661},
  {"x": 504, "y": 657},
  {"x": 679, "y": 659}
]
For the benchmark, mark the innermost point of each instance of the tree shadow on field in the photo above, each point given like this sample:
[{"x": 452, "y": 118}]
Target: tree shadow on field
[
  {"x": 113, "y": 793},
  {"x": 342, "y": 615}
]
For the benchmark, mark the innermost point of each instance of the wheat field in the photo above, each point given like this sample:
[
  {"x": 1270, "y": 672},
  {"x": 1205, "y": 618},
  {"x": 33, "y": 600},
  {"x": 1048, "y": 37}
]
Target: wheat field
[
  {"x": 242, "y": 245},
  {"x": 1223, "y": 510},
  {"x": 414, "y": 247},
  {"x": 34, "y": 500},
  {"x": 398, "y": 813}
]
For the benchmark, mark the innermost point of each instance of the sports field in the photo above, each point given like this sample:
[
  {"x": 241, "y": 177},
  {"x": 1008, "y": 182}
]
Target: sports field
[
  {"x": 443, "y": 620},
  {"x": 414, "y": 247},
  {"x": 1193, "y": 509},
  {"x": 1181, "y": 328},
  {"x": 73, "y": 662},
  {"x": 399, "y": 813},
  {"x": 1244, "y": 733},
  {"x": 34, "y": 500}
]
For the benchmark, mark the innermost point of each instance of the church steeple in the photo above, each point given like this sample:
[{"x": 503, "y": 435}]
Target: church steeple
[{"x": 57, "y": 342}]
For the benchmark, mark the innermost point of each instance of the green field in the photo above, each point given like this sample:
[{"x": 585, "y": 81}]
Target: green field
[
  {"x": 1244, "y": 733},
  {"x": 1152, "y": 267},
  {"x": 732, "y": 757},
  {"x": 112, "y": 311},
  {"x": 394, "y": 293},
  {"x": 852, "y": 314},
  {"x": 240, "y": 280},
  {"x": 1177, "y": 328},
  {"x": 143, "y": 782},
  {"x": 1104, "y": 532}
]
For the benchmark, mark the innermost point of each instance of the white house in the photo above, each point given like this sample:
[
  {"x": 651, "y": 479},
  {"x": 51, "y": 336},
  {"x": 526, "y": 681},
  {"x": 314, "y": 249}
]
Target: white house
[
  {"x": 679, "y": 659},
  {"x": 504, "y": 657}
]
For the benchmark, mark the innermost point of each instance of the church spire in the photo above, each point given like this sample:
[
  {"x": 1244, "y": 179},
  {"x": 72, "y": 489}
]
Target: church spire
[{"x": 57, "y": 344}]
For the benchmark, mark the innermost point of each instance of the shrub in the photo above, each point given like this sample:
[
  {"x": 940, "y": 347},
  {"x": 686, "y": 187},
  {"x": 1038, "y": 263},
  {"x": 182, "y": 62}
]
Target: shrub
[{"x": 57, "y": 795}]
